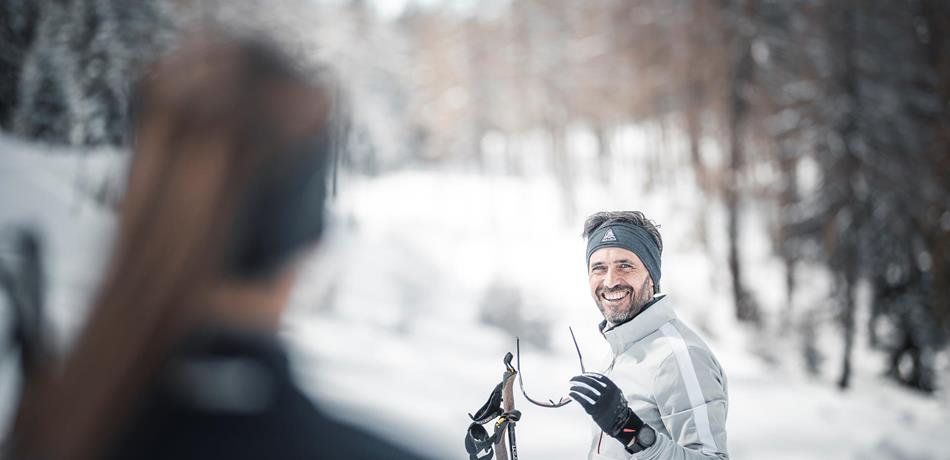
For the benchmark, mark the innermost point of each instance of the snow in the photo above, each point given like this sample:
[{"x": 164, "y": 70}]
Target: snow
[
  {"x": 459, "y": 231},
  {"x": 38, "y": 190},
  {"x": 385, "y": 329}
]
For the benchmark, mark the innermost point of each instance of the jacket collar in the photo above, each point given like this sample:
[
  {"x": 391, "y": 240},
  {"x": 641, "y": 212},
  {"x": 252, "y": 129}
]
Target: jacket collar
[{"x": 647, "y": 322}]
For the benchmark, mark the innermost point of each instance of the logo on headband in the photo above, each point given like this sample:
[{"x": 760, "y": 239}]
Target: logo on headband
[{"x": 609, "y": 236}]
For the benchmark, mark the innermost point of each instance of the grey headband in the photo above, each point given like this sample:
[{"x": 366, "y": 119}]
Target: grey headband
[{"x": 632, "y": 238}]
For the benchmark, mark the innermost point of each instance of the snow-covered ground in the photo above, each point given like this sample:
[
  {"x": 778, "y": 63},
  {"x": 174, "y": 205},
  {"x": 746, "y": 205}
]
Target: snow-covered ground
[
  {"x": 415, "y": 252},
  {"x": 386, "y": 323}
]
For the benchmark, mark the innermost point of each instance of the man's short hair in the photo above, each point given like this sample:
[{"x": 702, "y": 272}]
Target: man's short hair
[{"x": 637, "y": 218}]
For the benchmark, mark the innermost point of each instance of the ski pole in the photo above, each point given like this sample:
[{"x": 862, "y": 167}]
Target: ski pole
[
  {"x": 511, "y": 441},
  {"x": 508, "y": 406}
]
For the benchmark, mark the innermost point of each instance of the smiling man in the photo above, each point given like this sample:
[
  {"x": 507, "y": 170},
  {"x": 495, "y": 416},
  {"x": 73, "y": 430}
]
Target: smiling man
[{"x": 663, "y": 396}]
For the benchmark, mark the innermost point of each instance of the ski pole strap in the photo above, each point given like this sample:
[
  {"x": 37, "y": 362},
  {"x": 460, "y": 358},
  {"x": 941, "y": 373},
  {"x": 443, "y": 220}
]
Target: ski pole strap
[
  {"x": 491, "y": 408},
  {"x": 479, "y": 444}
]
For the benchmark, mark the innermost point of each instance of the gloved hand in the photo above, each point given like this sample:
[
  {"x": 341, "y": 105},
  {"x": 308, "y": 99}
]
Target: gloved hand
[{"x": 605, "y": 403}]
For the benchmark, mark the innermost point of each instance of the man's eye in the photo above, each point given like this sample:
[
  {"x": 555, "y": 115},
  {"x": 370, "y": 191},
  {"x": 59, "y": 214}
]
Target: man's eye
[
  {"x": 626, "y": 266},
  {"x": 597, "y": 270}
]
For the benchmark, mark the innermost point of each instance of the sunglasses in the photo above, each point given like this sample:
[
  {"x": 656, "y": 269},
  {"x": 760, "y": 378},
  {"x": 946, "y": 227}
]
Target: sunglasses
[{"x": 550, "y": 404}]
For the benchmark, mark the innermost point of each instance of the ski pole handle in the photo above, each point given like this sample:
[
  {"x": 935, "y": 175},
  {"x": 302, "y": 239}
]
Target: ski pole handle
[{"x": 507, "y": 404}]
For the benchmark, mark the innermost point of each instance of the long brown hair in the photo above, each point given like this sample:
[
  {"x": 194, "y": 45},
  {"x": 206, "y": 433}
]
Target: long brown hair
[{"x": 212, "y": 116}]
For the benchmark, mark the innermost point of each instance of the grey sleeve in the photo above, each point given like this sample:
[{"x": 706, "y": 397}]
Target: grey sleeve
[{"x": 691, "y": 394}]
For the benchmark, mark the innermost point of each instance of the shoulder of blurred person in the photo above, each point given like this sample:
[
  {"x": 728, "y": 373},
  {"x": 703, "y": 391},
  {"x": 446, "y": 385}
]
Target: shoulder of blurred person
[{"x": 228, "y": 393}]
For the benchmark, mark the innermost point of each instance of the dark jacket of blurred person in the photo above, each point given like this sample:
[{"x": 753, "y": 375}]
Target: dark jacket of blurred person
[{"x": 179, "y": 357}]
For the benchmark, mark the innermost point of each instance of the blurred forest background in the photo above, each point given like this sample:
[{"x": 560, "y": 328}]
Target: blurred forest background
[
  {"x": 795, "y": 152},
  {"x": 833, "y": 116}
]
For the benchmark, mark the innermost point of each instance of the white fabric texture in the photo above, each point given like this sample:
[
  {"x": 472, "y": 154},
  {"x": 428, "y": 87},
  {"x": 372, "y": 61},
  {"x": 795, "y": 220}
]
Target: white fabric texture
[{"x": 673, "y": 382}]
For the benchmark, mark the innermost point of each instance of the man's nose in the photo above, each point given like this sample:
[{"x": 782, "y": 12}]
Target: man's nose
[{"x": 610, "y": 279}]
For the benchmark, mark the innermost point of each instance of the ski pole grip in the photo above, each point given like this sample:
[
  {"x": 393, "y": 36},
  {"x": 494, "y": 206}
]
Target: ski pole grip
[{"x": 508, "y": 405}]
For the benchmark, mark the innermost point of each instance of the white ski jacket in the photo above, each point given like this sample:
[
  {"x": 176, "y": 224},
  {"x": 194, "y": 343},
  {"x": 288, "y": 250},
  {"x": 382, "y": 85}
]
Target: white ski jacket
[{"x": 673, "y": 382}]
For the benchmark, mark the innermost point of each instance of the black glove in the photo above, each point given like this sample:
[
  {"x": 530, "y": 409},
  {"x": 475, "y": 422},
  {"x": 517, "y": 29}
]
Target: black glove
[{"x": 605, "y": 403}]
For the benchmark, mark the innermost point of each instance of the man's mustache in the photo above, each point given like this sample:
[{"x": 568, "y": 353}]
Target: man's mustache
[{"x": 620, "y": 287}]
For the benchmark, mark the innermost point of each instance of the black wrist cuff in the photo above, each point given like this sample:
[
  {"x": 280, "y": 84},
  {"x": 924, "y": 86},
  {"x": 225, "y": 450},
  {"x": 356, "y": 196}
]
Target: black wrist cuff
[{"x": 629, "y": 429}]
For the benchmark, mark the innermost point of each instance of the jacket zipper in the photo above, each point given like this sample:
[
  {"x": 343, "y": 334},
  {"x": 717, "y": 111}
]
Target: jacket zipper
[
  {"x": 612, "y": 362},
  {"x": 609, "y": 369}
]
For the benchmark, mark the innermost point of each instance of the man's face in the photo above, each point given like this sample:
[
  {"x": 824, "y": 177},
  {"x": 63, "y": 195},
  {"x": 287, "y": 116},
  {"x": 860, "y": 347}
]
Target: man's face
[{"x": 619, "y": 283}]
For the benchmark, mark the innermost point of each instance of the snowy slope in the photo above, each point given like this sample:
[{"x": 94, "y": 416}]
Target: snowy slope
[
  {"x": 416, "y": 250},
  {"x": 385, "y": 325}
]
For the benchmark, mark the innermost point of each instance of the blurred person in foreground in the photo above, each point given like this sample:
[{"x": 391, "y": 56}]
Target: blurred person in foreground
[
  {"x": 180, "y": 357},
  {"x": 663, "y": 396}
]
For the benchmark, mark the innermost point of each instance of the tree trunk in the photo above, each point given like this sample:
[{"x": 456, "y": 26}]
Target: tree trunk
[
  {"x": 562, "y": 171},
  {"x": 694, "y": 135},
  {"x": 789, "y": 196},
  {"x": 936, "y": 14},
  {"x": 849, "y": 246},
  {"x": 847, "y": 324},
  {"x": 603, "y": 153},
  {"x": 746, "y": 309},
  {"x": 18, "y": 20}
]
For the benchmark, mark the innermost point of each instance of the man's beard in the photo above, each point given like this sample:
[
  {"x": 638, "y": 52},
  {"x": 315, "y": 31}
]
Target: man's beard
[{"x": 624, "y": 312}]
